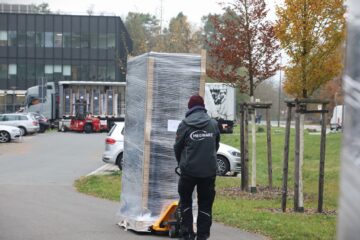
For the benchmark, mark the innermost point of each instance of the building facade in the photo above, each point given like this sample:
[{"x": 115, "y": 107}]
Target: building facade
[{"x": 37, "y": 48}]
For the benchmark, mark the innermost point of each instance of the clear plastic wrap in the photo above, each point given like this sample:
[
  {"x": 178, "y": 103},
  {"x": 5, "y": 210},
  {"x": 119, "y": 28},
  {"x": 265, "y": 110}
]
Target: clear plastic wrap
[
  {"x": 158, "y": 88},
  {"x": 349, "y": 213}
]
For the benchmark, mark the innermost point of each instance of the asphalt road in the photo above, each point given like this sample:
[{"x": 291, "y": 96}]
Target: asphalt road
[{"x": 38, "y": 200}]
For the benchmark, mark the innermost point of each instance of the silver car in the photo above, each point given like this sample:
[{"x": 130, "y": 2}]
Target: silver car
[
  {"x": 8, "y": 133},
  {"x": 228, "y": 158},
  {"x": 24, "y": 121},
  {"x": 114, "y": 145}
]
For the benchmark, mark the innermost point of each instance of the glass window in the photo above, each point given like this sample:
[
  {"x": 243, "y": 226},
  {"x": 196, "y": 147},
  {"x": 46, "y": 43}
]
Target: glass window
[
  {"x": 49, "y": 39},
  {"x": 67, "y": 40},
  {"x": 3, "y": 38},
  {"x": 31, "y": 74},
  {"x": 85, "y": 72},
  {"x": 12, "y": 69},
  {"x": 93, "y": 71},
  {"x": 49, "y": 69},
  {"x": 110, "y": 72},
  {"x": 85, "y": 40},
  {"x": 21, "y": 38},
  {"x": 40, "y": 39},
  {"x": 58, "y": 40},
  {"x": 12, "y": 38},
  {"x": 102, "y": 72},
  {"x": 102, "y": 40},
  {"x": 57, "y": 72},
  {"x": 3, "y": 71},
  {"x": 93, "y": 40},
  {"x": 30, "y": 42},
  {"x": 21, "y": 71},
  {"x": 75, "y": 72},
  {"x": 76, "y": 40},
  {"x": 111, "y": 40},
  {"x": 67, "y": 70},
  {"x": 57, "y": 69},
  {"x": 49, "y": 72},
  {"x": 39, "y": 71}
]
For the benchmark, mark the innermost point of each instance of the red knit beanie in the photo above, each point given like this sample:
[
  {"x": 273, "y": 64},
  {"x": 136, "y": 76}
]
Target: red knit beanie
[{"x": 196, "y": 100}]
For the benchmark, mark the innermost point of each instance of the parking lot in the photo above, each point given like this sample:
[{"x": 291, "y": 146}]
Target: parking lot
[{"x": 38, "y": 200}]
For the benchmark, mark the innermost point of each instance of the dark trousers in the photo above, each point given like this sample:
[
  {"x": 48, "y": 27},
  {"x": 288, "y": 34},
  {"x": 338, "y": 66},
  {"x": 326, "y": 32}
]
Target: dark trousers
[{"x": 206, "y": 195}]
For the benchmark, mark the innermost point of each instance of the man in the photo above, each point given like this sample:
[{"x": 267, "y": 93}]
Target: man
[{"x": 197, "y": 141}]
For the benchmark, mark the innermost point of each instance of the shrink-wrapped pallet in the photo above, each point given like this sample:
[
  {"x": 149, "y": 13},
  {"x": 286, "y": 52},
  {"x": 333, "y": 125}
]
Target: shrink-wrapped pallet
[{"x": 157, "y": 92}]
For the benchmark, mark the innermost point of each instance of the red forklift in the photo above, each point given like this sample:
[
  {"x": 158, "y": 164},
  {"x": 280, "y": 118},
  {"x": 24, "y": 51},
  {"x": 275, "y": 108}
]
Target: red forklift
[{"x": 84, "y": 121}]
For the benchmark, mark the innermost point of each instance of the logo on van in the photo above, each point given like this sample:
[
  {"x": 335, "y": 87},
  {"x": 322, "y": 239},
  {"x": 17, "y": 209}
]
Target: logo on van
[{"x": 200, "y": 135}]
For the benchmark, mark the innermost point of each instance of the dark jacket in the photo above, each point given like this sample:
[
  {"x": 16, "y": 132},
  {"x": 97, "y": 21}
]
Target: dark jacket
[{"x": 197, "y": 141}]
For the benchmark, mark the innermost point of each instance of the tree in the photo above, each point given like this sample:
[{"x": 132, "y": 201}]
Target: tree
[
  {"x": 243, "y": 52},
  {"x": 179, "y": 35},
  {"x": 143, "y": 29},
  {"x": 243, "y": 40},
  {"x": 311, "y": 31},
  {"x": 42, "y": 8}
]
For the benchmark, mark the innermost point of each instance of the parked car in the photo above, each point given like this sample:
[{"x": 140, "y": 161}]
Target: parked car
[
  {"x": 114, "y": 145},
  {"x": 26, "y": 122},
  {"x": 44, "y": 123},
  {"x": 8, "y": 133},
  {"x": 228, "y": 158}
]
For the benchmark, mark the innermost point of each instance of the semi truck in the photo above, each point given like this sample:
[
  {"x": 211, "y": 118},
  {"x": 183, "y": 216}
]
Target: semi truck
[
  {"x": 220, "y": 101},
  {"x": 59, "y": 101},
  {"x": 106, "y": 100}
]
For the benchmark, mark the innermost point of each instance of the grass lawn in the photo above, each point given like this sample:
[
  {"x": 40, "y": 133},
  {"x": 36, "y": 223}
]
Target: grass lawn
[{"x": 261, "y": 212}]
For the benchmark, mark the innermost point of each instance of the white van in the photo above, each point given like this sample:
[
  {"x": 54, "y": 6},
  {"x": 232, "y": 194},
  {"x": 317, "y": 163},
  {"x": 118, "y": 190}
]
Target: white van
[{"x": 336, "y": 121}]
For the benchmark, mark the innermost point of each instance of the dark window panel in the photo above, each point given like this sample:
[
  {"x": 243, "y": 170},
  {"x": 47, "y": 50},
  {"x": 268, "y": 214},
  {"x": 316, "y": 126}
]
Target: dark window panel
[
  {"x": 39, "y": 68},
  {"x": 93, "y": 71},
  {"x": 49, "y": 23},
  {"x": 58, "y": 39},
  {"x": 85, "y": 40},
  {"x": 102, "y": 72},
  {"x": 58, "y": 23},
  {"x": 30, "y": 41},
  {"x": 66, "y": 24},
  {"x": 3, "y": 71},
  {"x": 111, "y": 40},
  {"x": 3, "y": 38},
  {"x": 12, "y": 22},
  {"x": 102, "y": 40},
  {"x": 75, "y": 72},
  {"x": 40, "y": 39},
  {"x": 3, "y": 21},
  {"x": 75, "y": 40},
  {"x": 75, "y": 24},
  {"x": 66, "y": 40},
  {"x": 12, "y": 38},
  {"x": 85, "y": 71},
  {"x": 110, "y": 74},
  {"x": 21, "y": 39},
  {"x": 21, "y": 23},
  {"x": 94, "y": 40},
  {"x": 30, "y": 23},
  {"x": 49, "y": 39}
]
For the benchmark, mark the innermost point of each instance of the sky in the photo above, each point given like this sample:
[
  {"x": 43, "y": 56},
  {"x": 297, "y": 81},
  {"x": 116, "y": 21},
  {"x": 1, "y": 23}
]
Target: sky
[{"x": 193, "y": 9}]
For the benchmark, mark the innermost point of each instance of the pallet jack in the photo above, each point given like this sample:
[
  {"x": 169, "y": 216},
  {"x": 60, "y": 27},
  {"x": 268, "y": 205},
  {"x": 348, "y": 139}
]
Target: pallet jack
[{"x": 169, "y": 220}]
